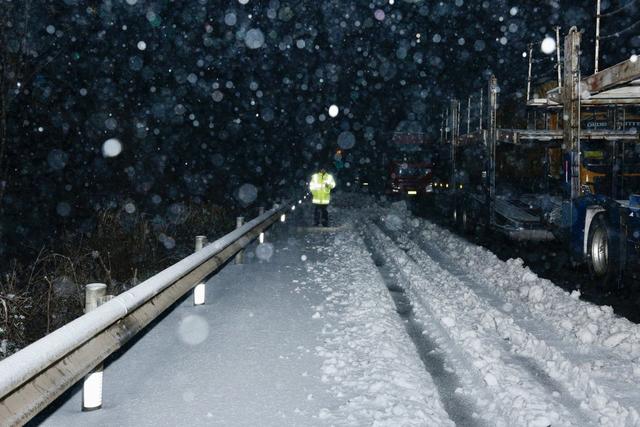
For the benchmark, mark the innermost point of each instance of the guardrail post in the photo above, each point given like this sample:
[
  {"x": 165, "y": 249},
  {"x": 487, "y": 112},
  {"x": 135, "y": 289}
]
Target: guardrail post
[
  {"x": 240, "y": 255},
  {"x": 199, "y": 242},
  {"x": 199, "y": 292},
  {"x": 261, "y": 210},
  {"x": 95, "y": 294}
]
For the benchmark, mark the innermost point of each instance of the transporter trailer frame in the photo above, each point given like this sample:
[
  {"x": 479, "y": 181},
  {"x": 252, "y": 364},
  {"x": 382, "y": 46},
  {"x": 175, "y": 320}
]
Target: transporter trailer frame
[{"x": 599, "y": 228}]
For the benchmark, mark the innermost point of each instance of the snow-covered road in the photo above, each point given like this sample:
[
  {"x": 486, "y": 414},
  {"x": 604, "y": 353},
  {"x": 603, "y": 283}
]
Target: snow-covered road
[{"x": 384, "y": 319}]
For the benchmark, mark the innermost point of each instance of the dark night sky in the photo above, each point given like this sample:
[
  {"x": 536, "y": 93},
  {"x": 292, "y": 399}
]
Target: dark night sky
[{"x": 206, "y": 96}]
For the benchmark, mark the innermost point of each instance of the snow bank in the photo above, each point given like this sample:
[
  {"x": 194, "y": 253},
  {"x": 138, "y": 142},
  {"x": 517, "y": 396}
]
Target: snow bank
[
  {"x": 580, "y": 323},
  {"x": 473, "y": 329},
  {"x": 586, "y": 348}
]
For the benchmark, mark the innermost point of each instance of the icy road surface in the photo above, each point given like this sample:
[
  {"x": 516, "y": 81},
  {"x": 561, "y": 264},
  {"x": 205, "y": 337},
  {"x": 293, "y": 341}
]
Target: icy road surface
[{"x": 307, "y": 332}]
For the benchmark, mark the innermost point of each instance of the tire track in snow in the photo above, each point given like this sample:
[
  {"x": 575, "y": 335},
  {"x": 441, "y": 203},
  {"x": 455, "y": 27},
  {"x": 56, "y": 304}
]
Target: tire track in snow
[
  {"x": 475, "y": 328},
  {"x": 366, "y": 364},
  {"x": 435, "y": 359}
]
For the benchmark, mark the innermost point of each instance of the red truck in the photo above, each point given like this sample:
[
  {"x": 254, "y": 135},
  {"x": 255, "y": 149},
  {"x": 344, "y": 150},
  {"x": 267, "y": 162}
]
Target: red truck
[{"x": 410, "y": 170}]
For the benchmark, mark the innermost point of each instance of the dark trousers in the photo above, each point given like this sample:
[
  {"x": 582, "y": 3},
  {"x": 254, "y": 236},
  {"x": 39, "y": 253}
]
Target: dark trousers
[{"x": 321, "y": 211}]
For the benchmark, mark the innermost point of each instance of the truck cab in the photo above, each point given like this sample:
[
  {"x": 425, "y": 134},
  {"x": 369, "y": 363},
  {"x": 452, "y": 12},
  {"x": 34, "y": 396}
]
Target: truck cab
[
  {"x": 410, "y": 175},
  {"x": 410, "y": 166}
]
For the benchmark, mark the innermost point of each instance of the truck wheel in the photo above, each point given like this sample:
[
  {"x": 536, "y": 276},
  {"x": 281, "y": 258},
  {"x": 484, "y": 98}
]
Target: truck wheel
[{"x": 602, "y": 255}]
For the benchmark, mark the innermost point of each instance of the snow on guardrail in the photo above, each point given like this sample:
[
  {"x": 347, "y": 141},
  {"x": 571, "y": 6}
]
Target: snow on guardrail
[{"x": 26, "y": 364}]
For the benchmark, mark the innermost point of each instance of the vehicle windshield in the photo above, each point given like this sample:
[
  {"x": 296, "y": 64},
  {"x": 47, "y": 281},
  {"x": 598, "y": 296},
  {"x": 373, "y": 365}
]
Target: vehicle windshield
[
  {"x": 407, "y": 170},
  {"x": 595, "y": 153}
]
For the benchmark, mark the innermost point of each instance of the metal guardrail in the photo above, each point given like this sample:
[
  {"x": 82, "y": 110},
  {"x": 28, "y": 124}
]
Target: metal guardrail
[{"x": 35, "y": 376}]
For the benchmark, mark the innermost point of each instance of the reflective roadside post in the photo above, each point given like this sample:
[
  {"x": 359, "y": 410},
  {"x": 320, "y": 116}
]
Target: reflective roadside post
[
  {"x": 240, "y": 255},
  {"x": 263, "y": 235},
  {"x": 92, "y": 386},
  {"x": 283, "y": 217},
  {"x": 199, "y": 291}
]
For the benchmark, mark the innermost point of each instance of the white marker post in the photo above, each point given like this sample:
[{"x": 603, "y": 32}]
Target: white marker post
[
  {"x": 92, "y": 386},
  {"x": 240, "y": 255},
  {"x": 199, "y": 292},
  {"x": 263, "y": 235}
]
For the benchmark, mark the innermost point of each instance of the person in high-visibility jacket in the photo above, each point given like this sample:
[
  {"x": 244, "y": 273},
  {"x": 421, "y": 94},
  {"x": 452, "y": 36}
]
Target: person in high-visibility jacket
[{"x": 321, "y": 185}]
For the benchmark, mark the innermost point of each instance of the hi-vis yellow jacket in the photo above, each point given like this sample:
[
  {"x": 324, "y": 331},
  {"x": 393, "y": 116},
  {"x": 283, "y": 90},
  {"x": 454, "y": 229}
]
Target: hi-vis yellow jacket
[{"x": 321, "y": 185}]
